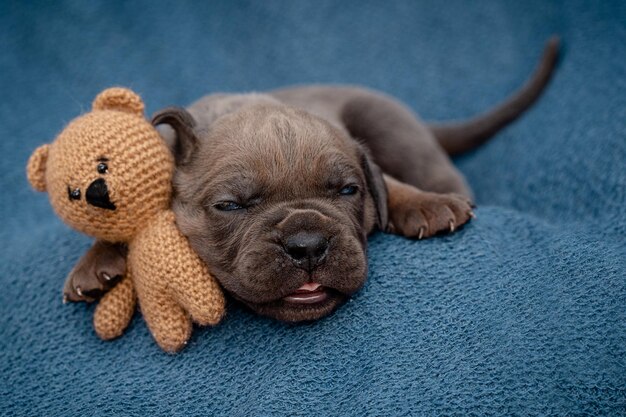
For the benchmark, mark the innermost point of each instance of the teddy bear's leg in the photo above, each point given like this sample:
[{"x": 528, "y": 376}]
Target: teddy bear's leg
[
  {"x": 115, "y": 310},
  {"x": 199, "y": 293},
  {"x": 169, "y": 324}
]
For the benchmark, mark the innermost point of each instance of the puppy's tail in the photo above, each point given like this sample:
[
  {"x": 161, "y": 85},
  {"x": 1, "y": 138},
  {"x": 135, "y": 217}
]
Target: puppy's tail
[{"x": 459, "y": 137}]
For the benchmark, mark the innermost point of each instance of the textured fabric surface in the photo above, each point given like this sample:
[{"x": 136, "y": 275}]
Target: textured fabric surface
[{"x": 521, "y": 312}]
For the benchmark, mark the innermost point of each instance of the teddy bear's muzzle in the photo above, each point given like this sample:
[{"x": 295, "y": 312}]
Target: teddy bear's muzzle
[{"x": 98, "y": 195}]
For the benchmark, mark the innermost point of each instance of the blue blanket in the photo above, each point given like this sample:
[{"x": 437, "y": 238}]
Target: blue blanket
[{"x": 521, "y": 312}]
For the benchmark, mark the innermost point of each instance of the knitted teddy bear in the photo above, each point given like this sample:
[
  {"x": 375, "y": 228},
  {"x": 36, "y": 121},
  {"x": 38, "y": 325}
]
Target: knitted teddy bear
[{"x": 108, "y": 175}]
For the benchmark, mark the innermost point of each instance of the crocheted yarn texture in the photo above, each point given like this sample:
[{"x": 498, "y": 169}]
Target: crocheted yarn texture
[{"x": 115, "y": 157}]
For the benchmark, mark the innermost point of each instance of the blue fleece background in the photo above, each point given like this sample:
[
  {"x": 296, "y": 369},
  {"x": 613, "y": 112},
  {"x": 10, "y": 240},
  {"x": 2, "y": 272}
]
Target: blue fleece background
[{"x": 521, "y": 312}]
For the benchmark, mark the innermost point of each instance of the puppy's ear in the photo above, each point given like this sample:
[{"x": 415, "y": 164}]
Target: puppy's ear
[
  {"x": 176, "y": 126},
  {"x": 120, "y": 99},
  {"x": 377, "y": 189},
  {"x": 36, "y": 168}
]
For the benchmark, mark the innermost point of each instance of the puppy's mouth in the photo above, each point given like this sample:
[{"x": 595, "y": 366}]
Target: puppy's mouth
[
  {"x": 310, "y": 293},
  {"x": 311, "y": 301}
]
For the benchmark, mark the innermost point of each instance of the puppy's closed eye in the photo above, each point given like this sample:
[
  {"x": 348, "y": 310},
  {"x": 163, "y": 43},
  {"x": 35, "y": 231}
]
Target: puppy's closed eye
[
  {"x": 349, "y": 189},
  {"x": 228, "y": 206}
]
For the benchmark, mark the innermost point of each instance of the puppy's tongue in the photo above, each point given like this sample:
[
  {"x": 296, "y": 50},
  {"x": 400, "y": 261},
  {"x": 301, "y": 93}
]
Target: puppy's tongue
[
  {"x": 309, "y": 293},
  {"x": 309, "y": 286}
]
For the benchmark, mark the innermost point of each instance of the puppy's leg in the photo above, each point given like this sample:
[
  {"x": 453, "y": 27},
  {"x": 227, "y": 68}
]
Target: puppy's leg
[
  {"x": 96, "y": 272},
  {"x": 419, "y": 214},
  {"x": 401, "y": 144}
]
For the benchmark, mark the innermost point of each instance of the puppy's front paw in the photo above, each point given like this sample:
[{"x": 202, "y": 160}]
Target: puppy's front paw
[
  {"x": 419, "y": 214},
  {"x": 95, "y": 273}
]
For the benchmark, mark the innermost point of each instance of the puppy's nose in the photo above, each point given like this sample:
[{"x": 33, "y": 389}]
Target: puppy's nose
[
  {"x": 308, "y": 249},
  {"x": 98, "y": 195}
]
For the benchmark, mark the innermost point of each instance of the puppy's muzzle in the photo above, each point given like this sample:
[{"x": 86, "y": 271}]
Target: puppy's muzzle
[
  {"x": 306, "y": 249},
  {"x": 305, "y": 236},
  {"x": 98, "y": 195}
]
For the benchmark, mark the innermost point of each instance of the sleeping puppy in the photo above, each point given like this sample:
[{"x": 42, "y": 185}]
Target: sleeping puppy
[{"x": 277, "y": 192}]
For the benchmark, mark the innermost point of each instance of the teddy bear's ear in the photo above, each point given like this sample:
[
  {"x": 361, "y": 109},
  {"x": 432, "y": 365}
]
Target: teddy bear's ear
[
  {"x": 36, "y": 168},
  {"x": 120, "y": 99}
]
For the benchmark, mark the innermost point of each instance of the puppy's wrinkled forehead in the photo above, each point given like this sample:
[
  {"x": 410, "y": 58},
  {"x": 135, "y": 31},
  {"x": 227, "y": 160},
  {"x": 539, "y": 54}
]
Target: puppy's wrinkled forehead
[{"x": 277, "y": 145}]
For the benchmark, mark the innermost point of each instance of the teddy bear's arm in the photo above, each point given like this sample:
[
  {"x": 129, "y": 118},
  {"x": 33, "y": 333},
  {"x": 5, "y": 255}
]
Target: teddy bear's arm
[
  {"x": 167, "y": 253},
  {"x": 173, "y": 284},
  {"x": 196, "y": 289},
  {"x": 115, "y": 310},
  {"x": 168, "y": 322},
  {"x": 188, "y": 279}
]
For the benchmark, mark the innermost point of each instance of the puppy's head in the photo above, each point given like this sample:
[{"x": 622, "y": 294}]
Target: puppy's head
[{"x": 278, "y": 203}]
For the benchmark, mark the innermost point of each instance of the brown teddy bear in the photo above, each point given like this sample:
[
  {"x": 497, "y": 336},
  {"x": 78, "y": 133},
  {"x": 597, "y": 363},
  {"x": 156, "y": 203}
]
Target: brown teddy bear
[{"x": 108, "y": 174}]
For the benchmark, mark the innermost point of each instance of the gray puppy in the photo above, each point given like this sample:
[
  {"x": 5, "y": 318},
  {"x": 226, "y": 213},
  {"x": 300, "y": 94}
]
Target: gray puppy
[{"x": 277, "y": 192}]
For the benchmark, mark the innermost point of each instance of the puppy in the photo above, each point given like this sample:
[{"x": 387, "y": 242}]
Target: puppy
[{"x": 277, "y": 192}]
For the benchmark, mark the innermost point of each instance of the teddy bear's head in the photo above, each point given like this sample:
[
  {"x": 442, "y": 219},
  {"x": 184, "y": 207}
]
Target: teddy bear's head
[{"x": 109, "y": 171}]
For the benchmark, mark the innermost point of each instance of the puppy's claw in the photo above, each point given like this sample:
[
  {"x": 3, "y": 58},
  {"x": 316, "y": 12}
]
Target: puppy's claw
[
  {"x": 65, "y": 299},
  {"x": 79, "y": 291},
  {"x": 420, "y": 233},
  {"x": 106, "y": 276},
  {"x": 472, "y": 215},
  {"x": 451, "y": 223}
]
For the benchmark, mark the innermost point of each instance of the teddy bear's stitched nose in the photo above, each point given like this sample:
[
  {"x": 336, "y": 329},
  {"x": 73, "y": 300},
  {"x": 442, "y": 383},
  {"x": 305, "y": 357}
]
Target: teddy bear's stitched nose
[{"x": 98, "y": 195}]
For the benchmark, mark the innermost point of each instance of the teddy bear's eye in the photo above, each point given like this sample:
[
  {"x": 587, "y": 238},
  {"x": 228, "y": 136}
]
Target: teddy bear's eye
[
  {"x": 74, "y": 194},
  {"x": 103, "y": 168}
]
